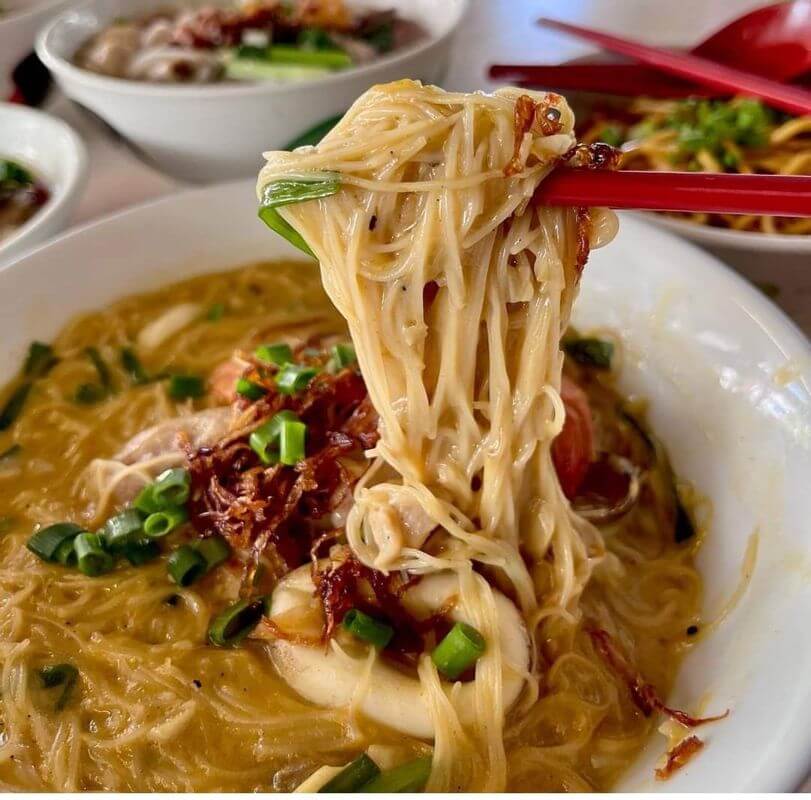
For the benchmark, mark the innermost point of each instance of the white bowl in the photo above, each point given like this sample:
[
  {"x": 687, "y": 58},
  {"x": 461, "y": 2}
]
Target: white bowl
[
  {"x": 218, "y": 131},
  {"x": 19, "y": 25},
  {"x": 56, "y": 155},
  {"x": 728, "y": 379}
]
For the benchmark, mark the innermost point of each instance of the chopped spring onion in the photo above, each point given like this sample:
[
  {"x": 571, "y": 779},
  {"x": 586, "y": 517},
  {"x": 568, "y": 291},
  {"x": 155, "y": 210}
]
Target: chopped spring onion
[
  {"x": 458, "y": 651},
  {"x": 91, "y": 557},
  {"x": 186, "y": 565},
  {"x": 342, "y": 356},
  {"x": 264, "y": 441},
  {"x": 64, "y": 675},
  {"x": 590, "y": 352},
  {"x": 182, "y": 387},
  {"x": 14, "y": 405},
  {"x": 292, "y": 442},
  {"x": 66, "y": 554},
  {"x": 352, "y": 776},
  {"x": 102, "y": 369},
  {"x": 164, "y": 522},
  {"x": 40, "y": 360},
  {"x": 409, "y": 777},
  {"x": 314, "y": 135},
  {"x": 367, "y": 628},
  {"x": 132, "y": 365},
  {"x": 295, "y": 190},
  {"x": 13, "y": 174},
  {"x": 141, "y": 552},
  {"x": 288, "y": 54},
  {"x": 292, "y": 378},
  {"x": 170, "y": 489},
  {"x": 249, "y": 389},
  {"x": 216, "y": 312},
  {"x": 213, "y": 549},
  {"x": 122, "y": 529},
  {"x": 87, "y": 394},
  {"x": 236, "y": 622},
  {"x": 278, "y": 354},
  {"x": 46, "y": 542}
]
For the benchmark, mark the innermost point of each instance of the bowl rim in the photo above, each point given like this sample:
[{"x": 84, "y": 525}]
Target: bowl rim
[
  {"x": 799, "y": 244},
  {"x": 63, "y": 191},
  {"x": 62, "y": 66}
]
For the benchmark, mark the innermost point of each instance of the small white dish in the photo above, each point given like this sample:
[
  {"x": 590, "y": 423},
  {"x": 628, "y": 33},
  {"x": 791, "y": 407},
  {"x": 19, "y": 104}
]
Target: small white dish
[
  {"x": 20, "y": 21},
  {"x": 52, "y": 150},
  {"x": 728, "y": 378},
  {"x": 218, "y": 131}
]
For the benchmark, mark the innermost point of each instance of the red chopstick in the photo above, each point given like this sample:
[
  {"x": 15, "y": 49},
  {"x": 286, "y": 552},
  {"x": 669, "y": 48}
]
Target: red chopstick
[
  {"x": 698, "y": 192},
  {"x": 630, "y": 80},
  {"x": 701, "y": 70}
]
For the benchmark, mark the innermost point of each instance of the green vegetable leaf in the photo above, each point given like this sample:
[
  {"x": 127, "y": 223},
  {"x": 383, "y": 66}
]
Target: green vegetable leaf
[{"x": 590, "y": 352}]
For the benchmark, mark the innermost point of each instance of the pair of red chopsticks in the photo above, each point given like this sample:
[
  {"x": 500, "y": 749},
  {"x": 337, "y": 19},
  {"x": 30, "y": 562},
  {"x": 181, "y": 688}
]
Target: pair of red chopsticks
[{"x": 778, "y": 195}]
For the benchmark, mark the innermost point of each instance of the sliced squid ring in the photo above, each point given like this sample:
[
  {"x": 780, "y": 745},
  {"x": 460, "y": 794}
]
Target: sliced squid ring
[{"x": 391, "y": 697}]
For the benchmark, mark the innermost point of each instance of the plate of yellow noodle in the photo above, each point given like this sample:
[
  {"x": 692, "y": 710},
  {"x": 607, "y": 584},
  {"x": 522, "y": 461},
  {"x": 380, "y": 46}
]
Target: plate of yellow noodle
[
  {"x": 488, "y": 497},
  {"x": 737, "y": 135}
]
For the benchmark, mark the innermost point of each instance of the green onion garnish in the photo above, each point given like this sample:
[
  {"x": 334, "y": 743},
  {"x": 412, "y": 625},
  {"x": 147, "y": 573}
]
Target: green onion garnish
[
  {"x": 132, "y": 365},
  {"x": 122, "y": 529},
  {"x": 278, "y": 354},
  {"x": 292, "y": 378},
  {"x": 14, "y": 405},
  {"x": 170, "y": 489},
  {"x": 590, "y": 352},
  {"x": 295, "y": 190},
  {"x": 91, "y": 557},
  {"x": 216, "y": 312},
  {"x": 46, "y": 542},
  {"x": 352, "y": 776},
  {"x": 409, "y": 777},
  {"x": 40, "y": 360},
  {"x": 342, "y": 356},
  {"x": 13, "y": 175},
  {"x": 164, "y": 522},
  {"x": 236, "y": 622},
  {"x": 138, "y": 553},
  {"x": 214, "y": 549},
  {"x": 182, "y": 387},
  {"x": 264, "y": 441},
  {"x": 458, "y": 651},
  {"x": 64, "y": 675},
  {"x": 292, "y": 439},
  {"x": 367, "y": 628},
  {"x": 186, "y": 565},
  {"x": 249, "y": 389},
  {"x": 66, "y": 554}
]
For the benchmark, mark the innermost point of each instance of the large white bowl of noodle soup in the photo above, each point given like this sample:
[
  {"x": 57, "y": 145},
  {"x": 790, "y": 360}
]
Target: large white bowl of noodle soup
[
  {"x": 218, "y": 131},
  {"x": 729, "y": 383}
]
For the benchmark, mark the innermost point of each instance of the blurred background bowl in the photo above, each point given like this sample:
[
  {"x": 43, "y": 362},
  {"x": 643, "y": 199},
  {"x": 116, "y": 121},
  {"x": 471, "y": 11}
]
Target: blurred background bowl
[
  {"x": 213, "y": 132},
  {"x": 55, "y": 154},
  {"x": 20, "y": 21}
]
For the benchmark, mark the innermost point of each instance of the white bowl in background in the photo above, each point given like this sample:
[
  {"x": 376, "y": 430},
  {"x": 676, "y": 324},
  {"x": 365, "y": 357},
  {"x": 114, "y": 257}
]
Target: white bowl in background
[
  {"x": 219, "y": 131},
  {"x": 53, "y": 151},
  {"x": 728, "y": 377},
  {"x": 19, "y": 24}
]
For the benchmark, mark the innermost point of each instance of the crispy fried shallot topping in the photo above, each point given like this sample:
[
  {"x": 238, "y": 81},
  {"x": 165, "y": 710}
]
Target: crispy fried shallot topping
[
  {"x": 278, "y": 510},
  {"x": 643, "y": 694},
  {"x": 678, "y": 756},
  {"x": 541, "y": 117}
]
